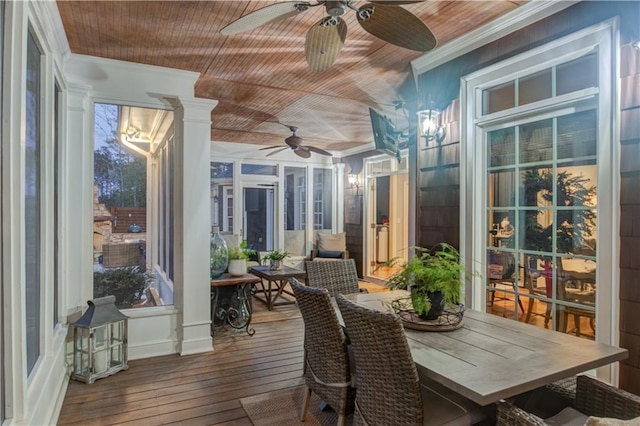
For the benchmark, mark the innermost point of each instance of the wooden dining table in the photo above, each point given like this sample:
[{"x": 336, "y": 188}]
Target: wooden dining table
[{"x": 490, "y": 358}]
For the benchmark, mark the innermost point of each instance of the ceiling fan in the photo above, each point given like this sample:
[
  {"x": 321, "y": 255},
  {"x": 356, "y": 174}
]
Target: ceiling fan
[
  {"x": 324, "y": 41},
  {"x": 295, "y": 143}
]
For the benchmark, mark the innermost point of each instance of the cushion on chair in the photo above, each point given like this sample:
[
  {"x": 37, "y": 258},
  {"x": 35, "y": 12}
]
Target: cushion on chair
[
  {"x": 605, "y": 421},
  {"x": 329, "y": 254},
  {"x": 569, "y": 416},
  {"x": 331, "y": 242}
]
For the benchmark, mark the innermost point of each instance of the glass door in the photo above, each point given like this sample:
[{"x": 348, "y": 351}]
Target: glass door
[
  {"x": 259, "y": 217},
  {"x": 387, "y": 192}
]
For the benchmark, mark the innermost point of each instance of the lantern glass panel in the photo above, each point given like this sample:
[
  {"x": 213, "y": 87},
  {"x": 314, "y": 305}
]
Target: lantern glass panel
[
  {"x": 82, "y": 351},
  {"x": 117, "y": 332},
  {"x": 116, "y": 355}
]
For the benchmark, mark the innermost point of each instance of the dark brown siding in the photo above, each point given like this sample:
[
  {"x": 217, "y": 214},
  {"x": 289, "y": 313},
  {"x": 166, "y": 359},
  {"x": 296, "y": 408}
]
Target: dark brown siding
[
  {"x": 630, "y": 215},
  {"x": 439, "y": 171}
]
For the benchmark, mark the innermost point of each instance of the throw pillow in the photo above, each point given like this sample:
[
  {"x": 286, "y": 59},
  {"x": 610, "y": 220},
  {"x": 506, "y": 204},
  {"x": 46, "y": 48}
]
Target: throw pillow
[{"x": 332, "y": 242}]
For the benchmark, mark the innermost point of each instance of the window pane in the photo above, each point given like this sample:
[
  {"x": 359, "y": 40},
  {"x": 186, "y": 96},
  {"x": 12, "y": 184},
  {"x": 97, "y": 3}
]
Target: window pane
[
  {"x": 222, "y": 196},
  {"x": 577, "y": 134},
  {"x": 534, "y": 87},
  {"x": 502, "y": 228},
  {"x": 498, "y": 98},
  {"x": 294, "y": 204},
  {"x": 502, "y": 147},
  {"x": 120, "y": 215},
  {"x": 32, "y": 203},
  {"x": 322, "y": 199},
  {"x": 581, "y": 73},
  {"x": 536, "y": 186},
  {"x": 536, "y": 142},
  {"x": 501, "y": 188},
  {"x": 258, "y": 169},
  {"x": 56, "y": 203}
]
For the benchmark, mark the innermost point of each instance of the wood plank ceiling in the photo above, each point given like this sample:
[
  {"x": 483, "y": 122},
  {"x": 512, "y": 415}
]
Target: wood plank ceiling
[{"x": 260, "y": 77}]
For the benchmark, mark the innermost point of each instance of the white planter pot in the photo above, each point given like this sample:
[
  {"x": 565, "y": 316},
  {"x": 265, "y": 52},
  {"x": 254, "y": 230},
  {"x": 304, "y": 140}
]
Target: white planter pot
[{"x": 237, "y": 267}]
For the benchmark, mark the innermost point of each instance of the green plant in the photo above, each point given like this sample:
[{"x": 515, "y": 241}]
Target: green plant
[
  {"x": 430, "y": 272},
  {"x": 275, "y": 255},
  {"x": 241, "y": 252},
  {"x": 127, "y": 284}
]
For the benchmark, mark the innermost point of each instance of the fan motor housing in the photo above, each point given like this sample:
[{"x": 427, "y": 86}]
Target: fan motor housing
[{"x": 335, "y": 8}]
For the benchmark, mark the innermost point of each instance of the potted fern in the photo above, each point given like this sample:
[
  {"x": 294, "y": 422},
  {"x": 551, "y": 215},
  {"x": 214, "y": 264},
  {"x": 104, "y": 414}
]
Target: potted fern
[
  {"x": 275, "y": 259},
  {"x": 433, "y": 278},
  {"x": 238, "y": 259}
]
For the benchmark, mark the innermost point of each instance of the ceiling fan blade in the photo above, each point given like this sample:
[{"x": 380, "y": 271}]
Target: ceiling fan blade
[
  {"x": 397, "y": 26},
  {"x": 265, "y": 15},
  {"x": 270, "y": 147},
  {"x": 324, "y": 42},
  {"x": 319, "y": 151},
  {"x": 275, "y": 152},
  {"x": 302, "y": 151}
]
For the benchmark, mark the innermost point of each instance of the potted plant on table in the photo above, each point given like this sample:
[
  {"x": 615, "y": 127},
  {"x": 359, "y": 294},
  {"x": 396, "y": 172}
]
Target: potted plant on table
[
  {"x": 275, "y": 259},
  {"x": 238, "y": 259},
  {"x": 433, "y": 278}
]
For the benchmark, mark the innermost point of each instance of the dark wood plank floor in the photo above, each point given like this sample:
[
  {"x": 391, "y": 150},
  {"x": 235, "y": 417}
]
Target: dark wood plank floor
[{"x": 203, "y": 389}]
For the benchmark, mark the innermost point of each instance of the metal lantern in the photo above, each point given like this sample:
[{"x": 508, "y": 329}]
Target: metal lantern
[{"x": 99, "y": 341}]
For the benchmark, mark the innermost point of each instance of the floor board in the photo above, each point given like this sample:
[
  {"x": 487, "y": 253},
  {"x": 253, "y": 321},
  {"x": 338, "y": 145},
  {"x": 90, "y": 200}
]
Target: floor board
[{"x": 203, "y": 389}]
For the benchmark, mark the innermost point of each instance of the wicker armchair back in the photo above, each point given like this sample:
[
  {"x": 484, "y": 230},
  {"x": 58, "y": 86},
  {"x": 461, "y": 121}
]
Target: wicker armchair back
[
  {"x": 592, "y": 398},
  {"x": 388, "y": 384},
  {"x": 337, "y": 276},
  {"x": 327, "y": 371}
]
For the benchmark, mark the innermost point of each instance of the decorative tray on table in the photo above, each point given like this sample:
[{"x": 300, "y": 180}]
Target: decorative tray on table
[{"x": 449, "y": 320}]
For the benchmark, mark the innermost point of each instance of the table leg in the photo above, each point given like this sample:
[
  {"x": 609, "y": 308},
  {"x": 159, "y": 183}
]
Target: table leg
[{"x": 240, "y": 317}]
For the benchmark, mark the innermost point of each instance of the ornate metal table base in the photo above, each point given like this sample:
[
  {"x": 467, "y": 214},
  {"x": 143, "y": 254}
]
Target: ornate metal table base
[
  {"x": 231, "y": 302},
  {"x": 232, "y": 305}
]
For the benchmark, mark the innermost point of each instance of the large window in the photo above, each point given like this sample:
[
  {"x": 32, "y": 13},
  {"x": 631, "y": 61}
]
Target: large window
[
  {"x": 32, "y": 202},
  {"x": 133, "y": 245},
  {"x": 540, "y": 143}
]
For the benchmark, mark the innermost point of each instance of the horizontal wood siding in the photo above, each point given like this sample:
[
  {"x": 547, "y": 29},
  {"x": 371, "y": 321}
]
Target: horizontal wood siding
[
  {"x": 439, "y": 169},
  {"x": 630, "y": 214}
]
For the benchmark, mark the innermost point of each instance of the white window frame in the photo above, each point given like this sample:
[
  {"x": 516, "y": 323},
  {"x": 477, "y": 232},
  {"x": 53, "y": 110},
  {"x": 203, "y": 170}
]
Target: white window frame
[{"x": 603, "y": 38}]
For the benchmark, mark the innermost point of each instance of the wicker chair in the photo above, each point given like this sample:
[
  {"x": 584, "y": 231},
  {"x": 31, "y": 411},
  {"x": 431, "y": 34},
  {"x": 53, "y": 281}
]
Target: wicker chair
[
  {"x": 592, "y": 398},
  {"x": 339, "y": 276},
  {"x": 389, "y": 389},
  {"x": 327, "y": 371}
]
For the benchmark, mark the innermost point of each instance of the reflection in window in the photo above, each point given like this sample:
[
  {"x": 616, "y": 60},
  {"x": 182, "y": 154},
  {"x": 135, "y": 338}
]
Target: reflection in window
[{"x": 542, "y": 211}]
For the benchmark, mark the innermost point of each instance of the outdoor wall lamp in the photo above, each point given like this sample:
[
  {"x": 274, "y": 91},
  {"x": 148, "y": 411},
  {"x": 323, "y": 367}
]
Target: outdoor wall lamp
[
  {"x": 429, "y": 127},
  {"x": 353, "y": 182}
]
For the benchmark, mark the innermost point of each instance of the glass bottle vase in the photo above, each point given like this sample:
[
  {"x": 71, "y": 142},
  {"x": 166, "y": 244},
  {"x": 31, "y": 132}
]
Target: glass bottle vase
[{"x": 219, "y": 254}]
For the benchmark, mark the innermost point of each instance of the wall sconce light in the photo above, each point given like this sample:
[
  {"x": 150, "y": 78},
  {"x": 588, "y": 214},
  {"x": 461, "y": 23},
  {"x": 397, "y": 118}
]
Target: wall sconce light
[
  {"x": 353, "y": 182},
  {"x": 429, "y": 127}
]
